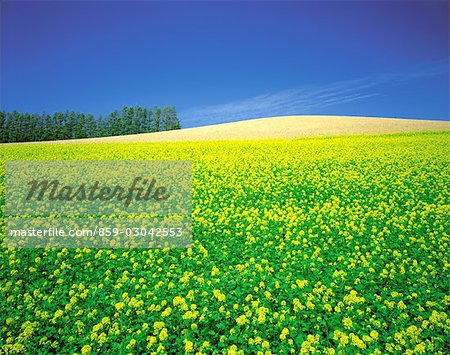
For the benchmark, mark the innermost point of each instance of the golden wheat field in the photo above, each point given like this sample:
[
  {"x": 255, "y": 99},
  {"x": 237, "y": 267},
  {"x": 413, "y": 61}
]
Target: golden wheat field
[
  {"x": 282, "y": 127},
  {"x": 325, "y": 245}
]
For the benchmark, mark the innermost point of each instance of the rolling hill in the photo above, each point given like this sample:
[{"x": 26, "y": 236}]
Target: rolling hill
[{"x": 282, "y": 127}]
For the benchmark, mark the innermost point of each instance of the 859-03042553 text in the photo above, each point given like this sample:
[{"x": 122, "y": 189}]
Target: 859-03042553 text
[{"x": 98, "y": 204}]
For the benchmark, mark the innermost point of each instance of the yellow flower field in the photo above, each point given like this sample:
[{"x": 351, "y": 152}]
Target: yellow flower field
[{"x": 334, "y": 245}]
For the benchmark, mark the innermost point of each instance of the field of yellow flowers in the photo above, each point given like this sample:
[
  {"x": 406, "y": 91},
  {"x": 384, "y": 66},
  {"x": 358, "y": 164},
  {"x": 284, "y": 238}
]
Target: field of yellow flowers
[{"x": 317, "y": 245}]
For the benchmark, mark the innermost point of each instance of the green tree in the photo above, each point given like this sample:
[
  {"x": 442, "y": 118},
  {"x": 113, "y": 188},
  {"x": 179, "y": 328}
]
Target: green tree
[
  {"x": 157, "y": 120},
  {"x": 3, "y": 127}
]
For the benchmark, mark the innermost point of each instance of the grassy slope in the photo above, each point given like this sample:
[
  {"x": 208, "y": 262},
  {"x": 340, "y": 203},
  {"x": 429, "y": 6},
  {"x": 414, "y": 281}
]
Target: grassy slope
[{"x": 284, "y": 127}]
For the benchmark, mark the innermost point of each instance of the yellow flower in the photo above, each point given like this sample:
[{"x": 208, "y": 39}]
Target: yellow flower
[
  {"x": 177, "y": 300},
  {"x": 241, "y": 320},
  {"x": 357, "y": 341},
  {"x": 310, "y": 305},
  {"x": 420, "y": 348},
  {"x": 190, "y": 315},
  {"x": 374, "y": 334},
  {"x": 220, "y": 296},
  {"x": 215, "y": 271},
  {"x": 166, "y": 312},
  {"x": 151, "y": 340},
  {"x": 284, "y": 333},
  {"x": 163, "y": 334},
  {"x": 189, "y": 346},
  {"x": 301, "y": 283},
  {"x": 313, "y": 339},
  {"x": 232, "y": 350},
  {"x": 86, "y": 349},
  {"x": 97, "y": 327},
  {"x": 367, "y": 338},
  {"x": 119, "y": 305},
  {"x": 158, "y": 326},
  {"x": 347, "y": 322},
  {"x": 131, "y": 344},
  {"x": 344, "y": 340}
]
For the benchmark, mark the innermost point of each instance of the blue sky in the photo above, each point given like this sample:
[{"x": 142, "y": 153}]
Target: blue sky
[{"x": 225, "y": 61}]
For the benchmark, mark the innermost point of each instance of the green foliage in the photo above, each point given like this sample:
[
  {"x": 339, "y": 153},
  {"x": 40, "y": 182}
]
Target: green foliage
[{"x": 25, "y": 127}]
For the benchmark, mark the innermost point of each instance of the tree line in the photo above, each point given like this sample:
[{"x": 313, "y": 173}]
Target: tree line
[{"x": 28, "y": 127}]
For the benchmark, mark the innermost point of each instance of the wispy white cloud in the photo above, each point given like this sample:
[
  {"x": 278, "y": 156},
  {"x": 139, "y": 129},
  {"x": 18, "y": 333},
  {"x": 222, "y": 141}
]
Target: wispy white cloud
[{"x": 303, "y": 100}]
